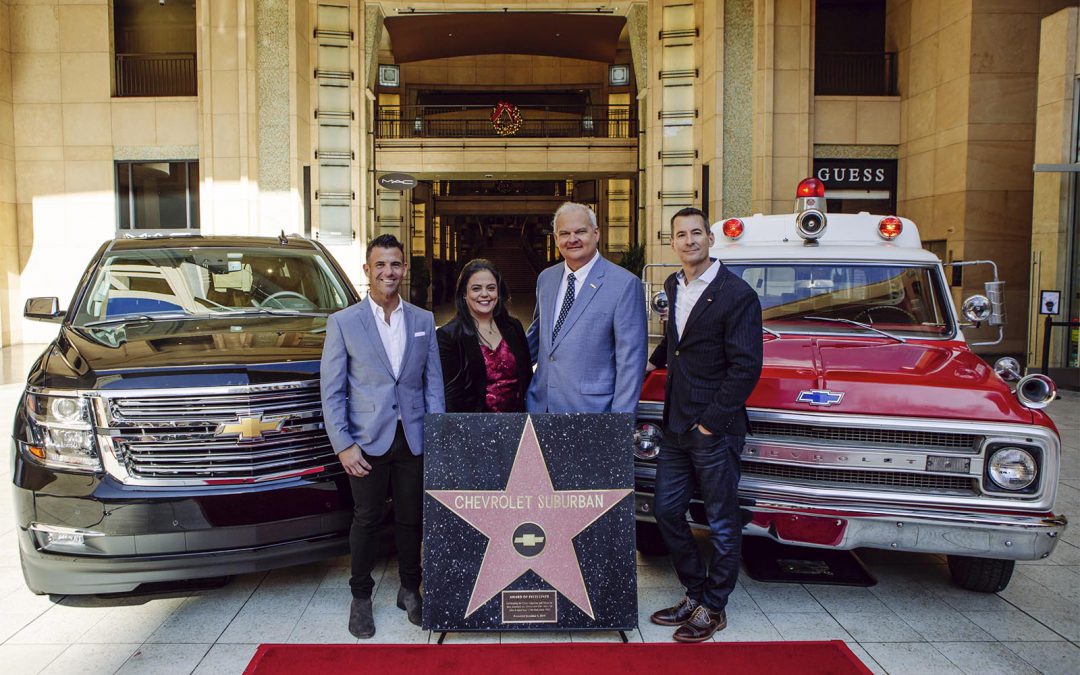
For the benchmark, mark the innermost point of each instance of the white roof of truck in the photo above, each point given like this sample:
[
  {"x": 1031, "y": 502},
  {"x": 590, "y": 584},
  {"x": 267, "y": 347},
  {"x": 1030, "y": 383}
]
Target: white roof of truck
[{"x": 847, "y": 236}]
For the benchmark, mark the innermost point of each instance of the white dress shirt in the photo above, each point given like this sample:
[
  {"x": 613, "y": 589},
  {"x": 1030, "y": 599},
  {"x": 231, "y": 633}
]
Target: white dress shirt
[
  {"x": 689, "y": 293},
  {"x": 392, "y": 334},
  {"x": 579, "y": 280}
]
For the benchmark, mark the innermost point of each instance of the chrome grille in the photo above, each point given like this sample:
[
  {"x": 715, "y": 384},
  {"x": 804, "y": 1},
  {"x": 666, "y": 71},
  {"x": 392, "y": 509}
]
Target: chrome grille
[
  {"x": 865, "y": 436},
  {"x": 168, "y": 437},
  {"x": 893, "y": 480}
]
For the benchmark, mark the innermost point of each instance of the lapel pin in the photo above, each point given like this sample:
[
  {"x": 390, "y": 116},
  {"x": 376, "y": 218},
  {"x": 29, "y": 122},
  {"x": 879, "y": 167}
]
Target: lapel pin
[{"x": 593, "y": 285}]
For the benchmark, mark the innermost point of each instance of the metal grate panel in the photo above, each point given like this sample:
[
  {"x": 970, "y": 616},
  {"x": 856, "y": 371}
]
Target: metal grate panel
[
  {"x": 865, "y": 436},
  {"x": 894, "y": 480},
  {"x": 166, "y": 437}
]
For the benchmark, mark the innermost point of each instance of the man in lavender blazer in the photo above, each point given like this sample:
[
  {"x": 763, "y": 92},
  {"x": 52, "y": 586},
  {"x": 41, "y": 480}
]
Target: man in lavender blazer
[{"x": 380, "y": 375}]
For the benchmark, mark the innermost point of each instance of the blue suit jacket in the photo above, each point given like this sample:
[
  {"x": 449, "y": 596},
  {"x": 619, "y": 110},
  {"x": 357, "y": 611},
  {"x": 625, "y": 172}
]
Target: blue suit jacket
[
  {"x": 361, "y": 399},
  {"x": 597, "y": 363}
]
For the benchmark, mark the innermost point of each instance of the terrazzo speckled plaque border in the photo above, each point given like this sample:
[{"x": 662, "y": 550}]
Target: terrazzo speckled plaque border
[{"x": 529, "y": 522}]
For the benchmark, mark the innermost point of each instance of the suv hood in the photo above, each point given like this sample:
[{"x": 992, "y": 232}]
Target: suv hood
[
  {"x": 189, "y": 353},
  {"x": 884, "y": 377}
]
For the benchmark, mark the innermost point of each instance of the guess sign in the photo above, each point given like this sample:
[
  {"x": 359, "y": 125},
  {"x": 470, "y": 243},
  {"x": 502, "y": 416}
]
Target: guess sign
[{"x": 862, "y": 174}]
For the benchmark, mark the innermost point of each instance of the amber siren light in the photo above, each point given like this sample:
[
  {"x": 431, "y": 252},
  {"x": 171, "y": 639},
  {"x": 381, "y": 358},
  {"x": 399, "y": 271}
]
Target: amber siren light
[
  {"x": 890, "y": 227},
  {"x": 733, "y": 228}
]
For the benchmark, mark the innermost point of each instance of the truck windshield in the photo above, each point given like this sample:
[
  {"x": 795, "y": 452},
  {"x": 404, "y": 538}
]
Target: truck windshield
[
  {"x": 906, "y": 300},
  {"x": 207, "y": 281}
]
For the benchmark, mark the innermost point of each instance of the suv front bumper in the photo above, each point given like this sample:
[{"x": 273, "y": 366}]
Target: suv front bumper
[
  {"x": 111, "y": 538},
  {"x": 1012, "y": 536}
]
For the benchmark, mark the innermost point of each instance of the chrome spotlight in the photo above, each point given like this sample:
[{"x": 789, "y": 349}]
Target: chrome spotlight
[
  {"x": 1007, "y": 368},
  {"x": 977, "y": 308},
  {"x": 810, "y": 224},
  {"x": 1036, "y": 391},
  {"x": 660, "y": 303}
]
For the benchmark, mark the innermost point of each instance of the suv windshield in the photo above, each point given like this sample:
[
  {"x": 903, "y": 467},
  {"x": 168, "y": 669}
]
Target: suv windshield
[
  {"x": 901, "y": 299},
  {"x": 202, "y": 282}
]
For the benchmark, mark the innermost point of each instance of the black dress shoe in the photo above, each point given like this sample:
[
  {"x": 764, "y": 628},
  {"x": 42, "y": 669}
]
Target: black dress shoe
[
  {"x": 701, "y": 626},
  {"x": 361, "y": 621},
  {"x": 677, "y": 615},
  {"x": 412, "y": 603}
]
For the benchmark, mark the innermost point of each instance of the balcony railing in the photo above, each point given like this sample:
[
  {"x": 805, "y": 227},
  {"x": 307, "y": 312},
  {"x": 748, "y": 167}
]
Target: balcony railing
[
  {"x": 467, "y": 121},
  {"x": 855, "y": 74},
  {"x": 155, "y": 74}
]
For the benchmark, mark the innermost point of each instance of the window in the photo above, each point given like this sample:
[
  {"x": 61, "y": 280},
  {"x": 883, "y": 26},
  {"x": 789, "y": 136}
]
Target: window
[
  {"x": 157, "y": 195},
  {"x": 154, "y": 48}
]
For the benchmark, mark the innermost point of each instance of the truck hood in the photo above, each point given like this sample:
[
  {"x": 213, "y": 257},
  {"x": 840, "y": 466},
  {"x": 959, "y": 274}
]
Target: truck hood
[
  {"x": 884, "y": 377},
  {"x": 203, "y": 352}
]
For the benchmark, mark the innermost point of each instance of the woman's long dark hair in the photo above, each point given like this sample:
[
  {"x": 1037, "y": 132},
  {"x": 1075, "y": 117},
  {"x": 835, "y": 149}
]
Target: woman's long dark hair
[{"x": 463, "y": 314}]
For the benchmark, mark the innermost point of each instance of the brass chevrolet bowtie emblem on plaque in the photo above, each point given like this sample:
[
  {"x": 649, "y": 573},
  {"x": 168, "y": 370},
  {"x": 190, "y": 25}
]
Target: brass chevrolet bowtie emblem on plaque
[{"x": 249, "y": 428}]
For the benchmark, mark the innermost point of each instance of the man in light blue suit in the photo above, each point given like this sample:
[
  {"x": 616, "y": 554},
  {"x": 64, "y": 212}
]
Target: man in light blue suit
[
  {"x": 380, "y": 375},
  {"x": 588, "y": 337}
]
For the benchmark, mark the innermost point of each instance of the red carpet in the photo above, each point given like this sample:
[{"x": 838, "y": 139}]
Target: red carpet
[{"x": 810, "y": 658}]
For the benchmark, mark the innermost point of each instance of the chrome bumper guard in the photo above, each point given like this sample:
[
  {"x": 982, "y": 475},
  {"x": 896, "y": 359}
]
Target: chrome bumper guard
[{"x": 981, "y": 535}]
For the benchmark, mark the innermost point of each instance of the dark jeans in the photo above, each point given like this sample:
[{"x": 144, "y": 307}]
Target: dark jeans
[
  {"x": 402, "y": 472},
  {"x": 714, "y": 461}
]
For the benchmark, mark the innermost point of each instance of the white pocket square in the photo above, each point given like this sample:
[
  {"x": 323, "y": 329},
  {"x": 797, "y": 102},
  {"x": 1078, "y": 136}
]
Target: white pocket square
[{"x": 420, "y": 334}]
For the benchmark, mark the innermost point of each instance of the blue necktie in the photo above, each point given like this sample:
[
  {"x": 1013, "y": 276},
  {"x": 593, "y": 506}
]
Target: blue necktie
[{"x": 567, "y": 303}]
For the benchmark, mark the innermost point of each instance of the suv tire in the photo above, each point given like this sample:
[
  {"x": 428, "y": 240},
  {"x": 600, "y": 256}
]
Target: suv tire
[
  {"x": 649, "y": 541},
  {"x": 985, "y": 575}
]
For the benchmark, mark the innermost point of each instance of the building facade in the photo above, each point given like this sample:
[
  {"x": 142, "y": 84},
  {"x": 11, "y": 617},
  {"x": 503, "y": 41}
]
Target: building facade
[{"x": 267, "y": 116}]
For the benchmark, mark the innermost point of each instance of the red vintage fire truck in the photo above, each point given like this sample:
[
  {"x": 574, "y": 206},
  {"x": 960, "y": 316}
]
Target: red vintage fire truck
[{"x": 874, "y": 424}]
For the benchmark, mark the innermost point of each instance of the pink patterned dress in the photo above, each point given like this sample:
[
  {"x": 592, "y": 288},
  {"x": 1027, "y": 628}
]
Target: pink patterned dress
[{"x": 503, "y": 393}]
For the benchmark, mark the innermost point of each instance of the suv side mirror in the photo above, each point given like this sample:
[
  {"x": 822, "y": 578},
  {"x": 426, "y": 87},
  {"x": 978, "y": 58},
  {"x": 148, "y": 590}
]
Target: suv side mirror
[{"x": 44, "y": 309}]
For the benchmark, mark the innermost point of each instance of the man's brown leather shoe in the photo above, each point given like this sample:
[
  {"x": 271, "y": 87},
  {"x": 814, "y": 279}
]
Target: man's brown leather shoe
[
  {"x": 410, "y": 601},
  {"x": 361, "y": 620},
  {"x": 677, "y": 615},
  {"x": 701, "y": 626}
]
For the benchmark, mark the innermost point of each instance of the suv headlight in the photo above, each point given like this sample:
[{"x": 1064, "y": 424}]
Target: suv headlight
[
  {"x": 60, "y": 433},
  {"x": 1012, "y": 468},
  {"x": 647, "y": 439}
]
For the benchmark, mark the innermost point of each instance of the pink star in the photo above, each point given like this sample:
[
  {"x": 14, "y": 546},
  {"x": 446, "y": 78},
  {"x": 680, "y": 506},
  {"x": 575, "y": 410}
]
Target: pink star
[{"x": 530, "y": 498}]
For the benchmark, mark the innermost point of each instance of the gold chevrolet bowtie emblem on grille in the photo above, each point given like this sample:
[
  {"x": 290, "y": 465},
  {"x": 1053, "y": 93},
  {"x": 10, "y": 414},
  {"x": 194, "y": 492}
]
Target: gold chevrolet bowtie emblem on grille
[{"x": 249, "y": 428}]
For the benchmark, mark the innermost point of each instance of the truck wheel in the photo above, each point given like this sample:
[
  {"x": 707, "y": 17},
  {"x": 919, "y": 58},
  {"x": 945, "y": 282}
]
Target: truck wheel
[
  {"x": 985, "y": 575},
  {"x": 649, "y": 541}
]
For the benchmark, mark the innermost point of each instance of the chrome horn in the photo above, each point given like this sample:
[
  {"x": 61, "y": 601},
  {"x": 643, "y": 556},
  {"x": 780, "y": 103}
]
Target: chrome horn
[{"x": 1036, "y": 391}]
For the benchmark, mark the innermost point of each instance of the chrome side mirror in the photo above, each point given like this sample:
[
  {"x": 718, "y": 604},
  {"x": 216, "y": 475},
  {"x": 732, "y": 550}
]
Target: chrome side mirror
[
  {"x": 976, "y": 308},
  {"x": 44, "y": 309},
  {"x": 1007, "y": 368},
  {"x": 995, "y": 291}
]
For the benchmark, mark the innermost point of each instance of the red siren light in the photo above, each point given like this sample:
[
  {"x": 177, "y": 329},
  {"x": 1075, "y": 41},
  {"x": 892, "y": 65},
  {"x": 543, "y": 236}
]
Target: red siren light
[
  {"x": 810, "y": 187},
  {"x": 890, "y": 227},
  {"x": 733, "y": 228}
]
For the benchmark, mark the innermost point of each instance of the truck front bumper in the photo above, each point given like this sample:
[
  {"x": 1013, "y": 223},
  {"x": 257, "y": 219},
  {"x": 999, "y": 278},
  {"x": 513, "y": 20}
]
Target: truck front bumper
[{"x": 1009, "y": 536}]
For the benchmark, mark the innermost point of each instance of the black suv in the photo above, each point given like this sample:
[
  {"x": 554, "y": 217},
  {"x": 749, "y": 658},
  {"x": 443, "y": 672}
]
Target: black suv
[{"x": 173, "y": 429}]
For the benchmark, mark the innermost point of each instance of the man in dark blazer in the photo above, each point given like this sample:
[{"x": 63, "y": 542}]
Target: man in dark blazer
[
  {"x": 380, "y": 375},
  {"x": 712, "y": 350}
]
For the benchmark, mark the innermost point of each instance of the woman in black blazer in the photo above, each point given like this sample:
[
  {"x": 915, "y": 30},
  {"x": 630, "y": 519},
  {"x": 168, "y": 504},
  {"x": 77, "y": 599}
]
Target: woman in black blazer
[{"x": 485, "y": 357}]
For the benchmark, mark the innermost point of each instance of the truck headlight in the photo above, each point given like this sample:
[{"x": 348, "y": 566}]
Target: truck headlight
[
  {"x": 60, "y": 433},
  {"x": 647, "y": 439},
  {"x": 1012, "y": 468}
]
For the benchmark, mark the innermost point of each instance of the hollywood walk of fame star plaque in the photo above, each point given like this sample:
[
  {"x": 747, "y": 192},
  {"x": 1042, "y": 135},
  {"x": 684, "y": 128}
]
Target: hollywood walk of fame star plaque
[{"x": 529, "y": 522}]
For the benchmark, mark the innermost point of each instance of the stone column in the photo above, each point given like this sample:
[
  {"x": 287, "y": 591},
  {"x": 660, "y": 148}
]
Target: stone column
[
  {"x": 1052, "y": 209},
  {"x": 9, "y": 231}
]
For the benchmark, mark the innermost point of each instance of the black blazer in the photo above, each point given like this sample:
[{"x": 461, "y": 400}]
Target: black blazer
[
  {"x": 464, "y": 373},
  {"x": 714, "y": 367}
]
